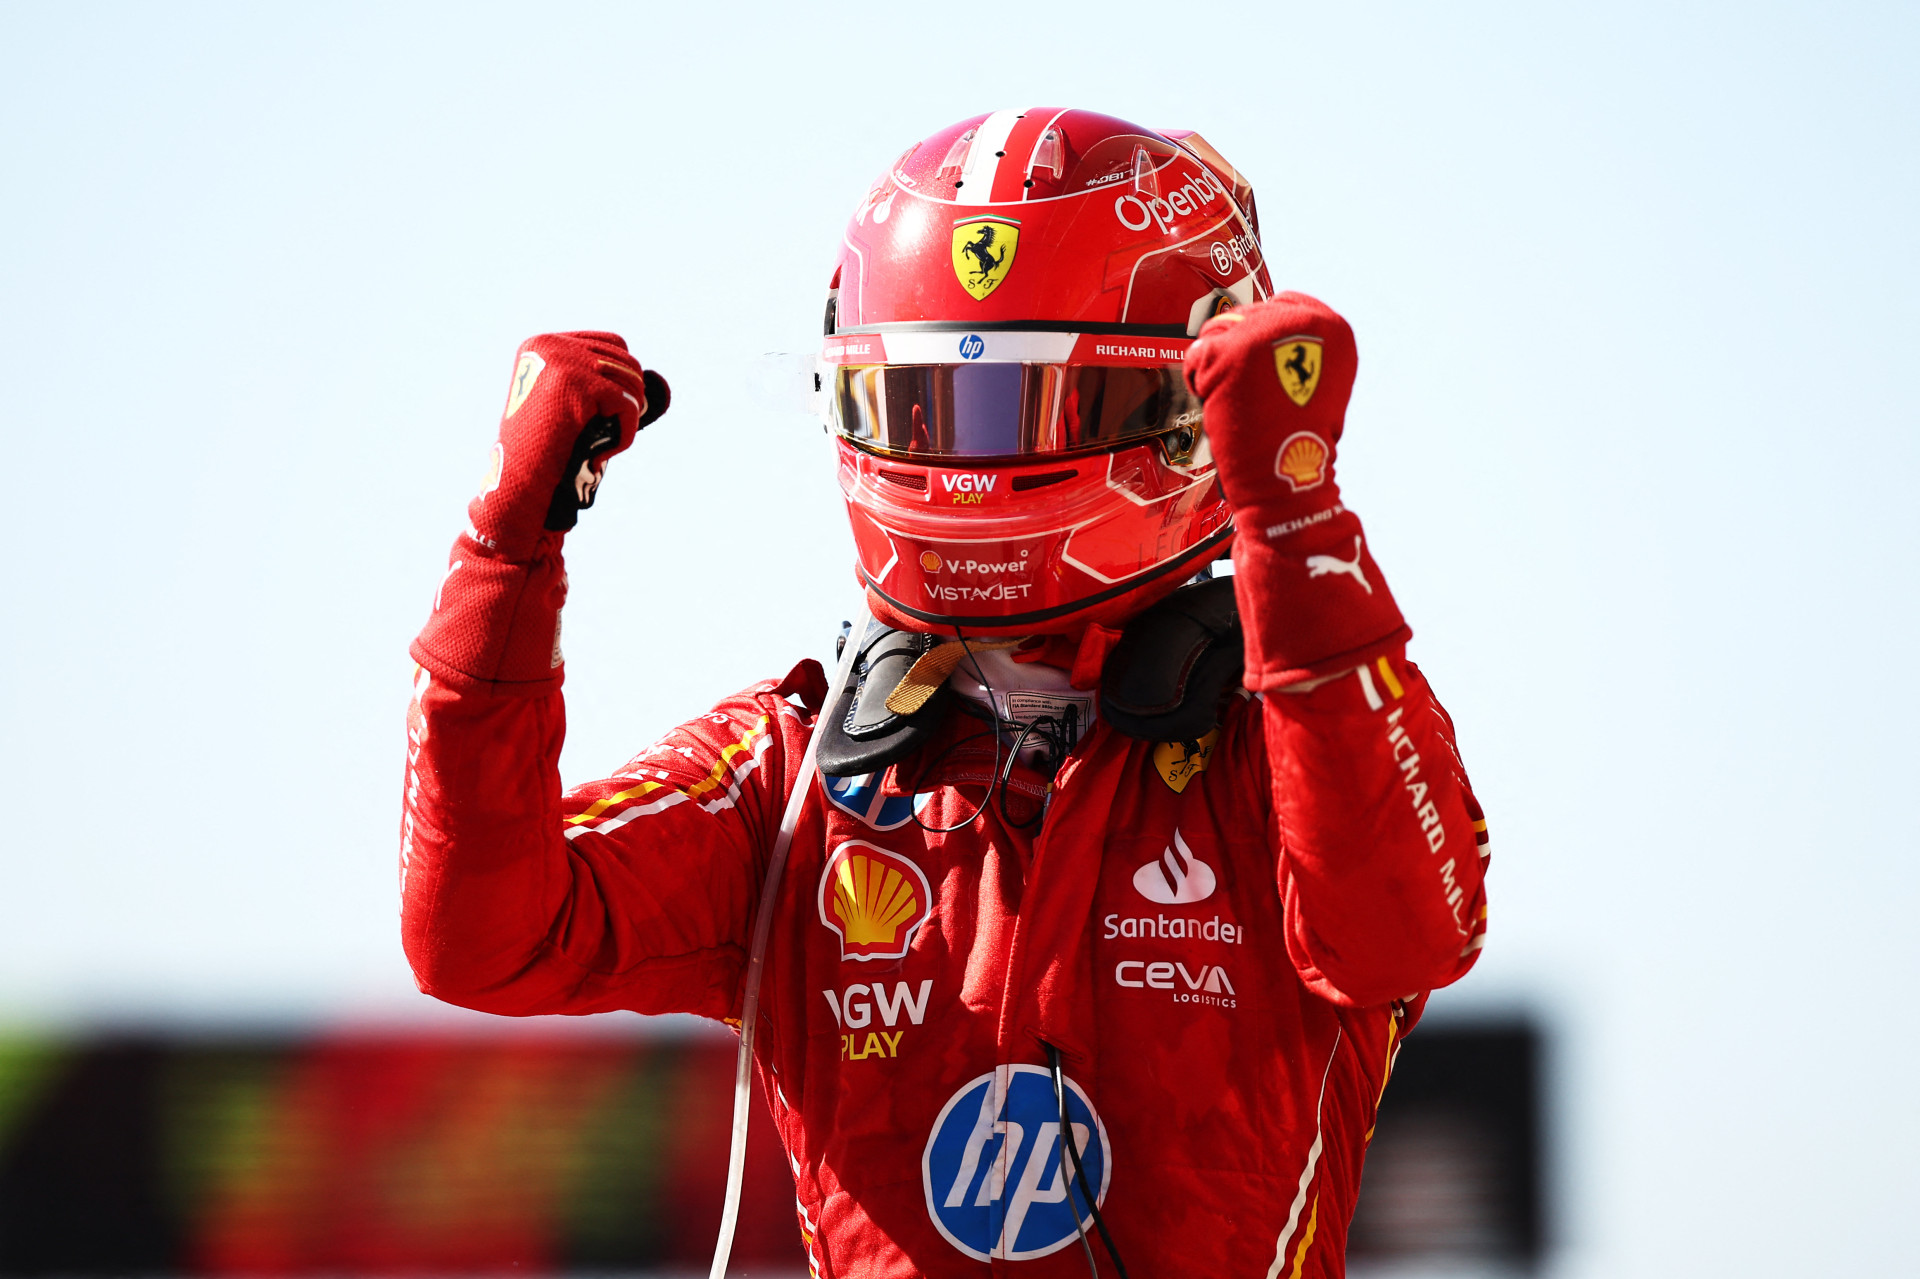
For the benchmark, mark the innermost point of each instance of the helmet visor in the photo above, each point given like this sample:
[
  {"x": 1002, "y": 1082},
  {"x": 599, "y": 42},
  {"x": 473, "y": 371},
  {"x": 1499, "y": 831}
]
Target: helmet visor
[{"x": 1007, "y": 410}]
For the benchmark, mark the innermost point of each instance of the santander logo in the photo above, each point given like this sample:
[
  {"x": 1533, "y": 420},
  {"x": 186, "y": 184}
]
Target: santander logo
[{"x": 1177, "y": 879}]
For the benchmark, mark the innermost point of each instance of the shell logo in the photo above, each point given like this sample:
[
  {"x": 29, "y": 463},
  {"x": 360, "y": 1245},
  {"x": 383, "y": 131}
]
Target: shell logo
[
  {"x": 874, "y": 899},
  {"x": 1302, "y": 460},
  {"x": 930, "y": 561}
]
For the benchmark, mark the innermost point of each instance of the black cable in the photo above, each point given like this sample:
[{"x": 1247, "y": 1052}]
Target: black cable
[
  {"x": 998, "y": 775},
  {"x": 860, "y": 662},
  {"x": 873, "y": 637},
  {"x": 1080, "y": 1171},
  {"x": 1066, "y": 1139},
  {"x": 1062, "y": 735},
  {"x": 1059, "y": 738},
  {"x": 934, "y": 767},
  {"x": 986, "y": 799},
  {"x": 1006, "y": 773}
]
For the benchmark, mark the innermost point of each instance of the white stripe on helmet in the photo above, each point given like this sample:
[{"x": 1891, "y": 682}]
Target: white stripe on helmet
[{"x": 982, "y": 163}]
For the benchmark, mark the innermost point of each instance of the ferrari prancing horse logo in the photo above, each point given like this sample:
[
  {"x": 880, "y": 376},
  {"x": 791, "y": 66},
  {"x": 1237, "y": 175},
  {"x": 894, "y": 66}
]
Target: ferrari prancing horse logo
[
  {"x": 1297, "y": 361},
  {"x": 1181, "y": 762},
  {"x": 983, "y": 251},
  {"x": 525, "y": 373}
]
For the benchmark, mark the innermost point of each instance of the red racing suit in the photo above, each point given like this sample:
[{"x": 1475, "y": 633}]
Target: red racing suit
[{"x": 1226, "y": 943}]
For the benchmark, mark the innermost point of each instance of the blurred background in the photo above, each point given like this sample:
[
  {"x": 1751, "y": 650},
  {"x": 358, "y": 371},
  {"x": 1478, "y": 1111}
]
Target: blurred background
[{"x": 1638, "y": 296}]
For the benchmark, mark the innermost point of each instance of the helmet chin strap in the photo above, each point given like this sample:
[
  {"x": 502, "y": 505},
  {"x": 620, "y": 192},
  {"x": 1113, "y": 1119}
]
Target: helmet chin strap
[
  {"x": 757, "y": 955},
  {"x": 924, "y": 678}
]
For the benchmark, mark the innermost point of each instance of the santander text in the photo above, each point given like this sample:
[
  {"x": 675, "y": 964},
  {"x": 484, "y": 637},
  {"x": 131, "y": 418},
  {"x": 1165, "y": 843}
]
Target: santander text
[{"x": 1174, "y": 926}]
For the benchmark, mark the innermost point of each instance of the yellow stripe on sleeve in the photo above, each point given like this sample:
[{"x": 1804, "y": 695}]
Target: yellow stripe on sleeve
[
  {"x": 1391, "y": 680},
  {"x": 600, "y": 806},
  {"x": 714, "y": 777},
  {"x": 718, "y": 772}
]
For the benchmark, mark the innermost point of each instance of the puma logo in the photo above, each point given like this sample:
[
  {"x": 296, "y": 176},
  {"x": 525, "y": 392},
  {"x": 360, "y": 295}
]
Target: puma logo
[{"x": 1321, "y": 565}]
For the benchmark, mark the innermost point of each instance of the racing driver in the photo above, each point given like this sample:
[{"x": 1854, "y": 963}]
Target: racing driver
[{"x": 1119, "y": 883}]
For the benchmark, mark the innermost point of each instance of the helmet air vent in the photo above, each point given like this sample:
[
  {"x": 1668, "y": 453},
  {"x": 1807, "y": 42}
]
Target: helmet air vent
[
  {"x": 1021, "y": 483},
  {"x": 1048, "y": 154},
  {"x": 956, "y": 162},
  {"x": 1144, "y": 180},
  {"x": 916, "y": 481}
]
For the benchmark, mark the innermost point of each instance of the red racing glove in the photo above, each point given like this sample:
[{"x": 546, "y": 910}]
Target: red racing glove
[
  {"x": 1275, "y": 378},
  {"x": 575, "y": 400}
]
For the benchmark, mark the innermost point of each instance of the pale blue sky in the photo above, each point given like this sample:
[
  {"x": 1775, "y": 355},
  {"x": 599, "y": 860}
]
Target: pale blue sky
[{"x": 1635, "y": 437}]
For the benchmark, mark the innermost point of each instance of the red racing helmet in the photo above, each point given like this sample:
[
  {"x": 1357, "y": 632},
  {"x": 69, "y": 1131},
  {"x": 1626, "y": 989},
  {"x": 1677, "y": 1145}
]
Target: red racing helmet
[{"x": 1002, "y": 369}]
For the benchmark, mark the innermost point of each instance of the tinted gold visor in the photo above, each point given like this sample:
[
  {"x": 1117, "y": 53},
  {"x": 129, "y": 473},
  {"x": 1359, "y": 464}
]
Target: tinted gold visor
[{"x": 1007, "y": 410}]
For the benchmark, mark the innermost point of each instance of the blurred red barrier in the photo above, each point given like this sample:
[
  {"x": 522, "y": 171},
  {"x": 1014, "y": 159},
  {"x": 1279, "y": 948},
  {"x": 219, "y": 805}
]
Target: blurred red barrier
[{"x": 385, "y": 1154}]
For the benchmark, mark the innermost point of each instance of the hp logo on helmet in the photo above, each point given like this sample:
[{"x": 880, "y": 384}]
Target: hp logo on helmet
[
  {"x": 992, "y": 1170},
  {"x": 972, "y": 346}
]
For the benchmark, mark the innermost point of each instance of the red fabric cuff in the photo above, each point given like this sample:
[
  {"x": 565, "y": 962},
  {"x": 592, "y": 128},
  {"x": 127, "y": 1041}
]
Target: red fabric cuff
[{"x": 496, "y": 624}]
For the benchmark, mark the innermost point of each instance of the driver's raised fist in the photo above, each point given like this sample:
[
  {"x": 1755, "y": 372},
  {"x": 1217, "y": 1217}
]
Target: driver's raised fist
[
  {"x": 575, "y": 400},
  {"x": 1274, "y": 378}
]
